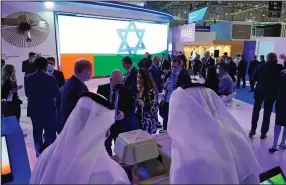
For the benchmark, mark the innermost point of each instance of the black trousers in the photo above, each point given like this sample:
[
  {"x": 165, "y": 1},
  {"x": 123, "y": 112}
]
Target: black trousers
[
  {"x": 252, "y": 82},
  {"x": 239, "y": 78},
  {"x": 268, "y": 105}
]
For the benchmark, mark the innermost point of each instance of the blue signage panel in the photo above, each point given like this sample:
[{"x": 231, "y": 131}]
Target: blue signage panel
[
  {"x": 203, "y": 29},
  {"x": 197, "y": 15}
]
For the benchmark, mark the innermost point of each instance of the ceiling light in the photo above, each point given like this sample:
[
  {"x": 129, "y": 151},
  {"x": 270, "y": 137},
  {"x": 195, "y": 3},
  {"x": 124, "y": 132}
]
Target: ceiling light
[
  {"x": 263, "y": 15},
  {"x": 185, "y": 11},
  {"x": 225, "y": 13},
  {"x": 253, "y": 17},
  {"x": 251, "y": 14},
  {"x": 217, "y": 15},
  {"x": 179, "y": 14},
  {"x": 49, "y": 5},
  {"x": 239, "y": 10}
]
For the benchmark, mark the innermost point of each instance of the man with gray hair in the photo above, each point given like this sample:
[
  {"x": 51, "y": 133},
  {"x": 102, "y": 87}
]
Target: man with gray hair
[
  {"x": 128, "y": 120},
  {"x": 72, "y": 90},
  {"x": 267, "y": 77},
  {"x": 156, "y": 73}
]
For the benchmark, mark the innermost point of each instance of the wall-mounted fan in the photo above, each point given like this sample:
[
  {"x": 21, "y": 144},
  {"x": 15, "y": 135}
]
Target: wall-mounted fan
[{"x": 24, "y": 29}]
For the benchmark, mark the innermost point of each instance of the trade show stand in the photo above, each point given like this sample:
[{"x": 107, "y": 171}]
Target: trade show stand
[{"x": 15, "y": 163}]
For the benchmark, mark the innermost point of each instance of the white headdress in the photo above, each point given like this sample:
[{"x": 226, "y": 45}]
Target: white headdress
[
  {"x": 78, "y": 156},
  {"x": 208, "y": 144}
]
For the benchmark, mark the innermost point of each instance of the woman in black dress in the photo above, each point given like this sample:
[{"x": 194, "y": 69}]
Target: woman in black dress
[
  {"x": 280, "y": 115},
  {"x": 147, "y": 103},
  {"x": 9, "y": 90}
]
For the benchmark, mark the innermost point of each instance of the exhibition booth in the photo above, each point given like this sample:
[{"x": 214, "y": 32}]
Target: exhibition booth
[
  {"x": 216, "y": 48},
  {"x": 102, "y": 32}
]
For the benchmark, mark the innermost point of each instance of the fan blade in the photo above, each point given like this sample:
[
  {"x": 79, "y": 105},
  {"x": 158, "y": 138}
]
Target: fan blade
[
  {"x": 9, "y": 22},
  {"x": 22, "y": 18}
]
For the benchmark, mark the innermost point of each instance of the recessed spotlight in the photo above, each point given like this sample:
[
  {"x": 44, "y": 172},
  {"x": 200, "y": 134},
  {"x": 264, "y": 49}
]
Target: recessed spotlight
[
  {"x": 251, "y": 14},
  {"x": 225, "y": 13},
  {"x": 263, "y": 15},
  {"x": 49, "y": 5},
  {"x": 185, "y": 11},
  {"x": 179, "y": 14},
  {"x": 253, "y": 17},
  {"x": 239, "y": 10},
  {"x": 217, "y": 15}
]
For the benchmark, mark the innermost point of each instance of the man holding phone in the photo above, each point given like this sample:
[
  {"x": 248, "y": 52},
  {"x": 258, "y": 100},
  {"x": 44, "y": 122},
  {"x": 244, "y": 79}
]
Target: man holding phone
[{"x": 122, "y": 99}]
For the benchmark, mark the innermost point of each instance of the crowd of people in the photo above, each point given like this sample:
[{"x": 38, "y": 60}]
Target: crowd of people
[{"x": 142, "y": 94}]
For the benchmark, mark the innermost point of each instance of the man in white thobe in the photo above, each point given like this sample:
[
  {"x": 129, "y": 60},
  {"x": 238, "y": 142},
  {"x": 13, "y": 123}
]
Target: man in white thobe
[
  {"x": 217, "y": 150},
  {"x": 78, "y": 156}
]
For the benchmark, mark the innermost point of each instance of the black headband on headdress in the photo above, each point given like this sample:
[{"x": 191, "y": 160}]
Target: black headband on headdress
[
  {"x": 190, "y": 84},
  {"x": 98, "y": 99}
]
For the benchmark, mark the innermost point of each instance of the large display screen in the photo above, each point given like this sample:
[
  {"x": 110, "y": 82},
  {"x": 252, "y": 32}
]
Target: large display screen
[
  {"x": 6, "y": 173},
  {"x": 104, "y": 42},
  {"x": 241, "y": 31},
  {"x": 197, "y": 15}
]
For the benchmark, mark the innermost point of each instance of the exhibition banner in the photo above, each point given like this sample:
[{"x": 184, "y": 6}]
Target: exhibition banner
[
  {"x": 249, "y": 50},
  {"x": 222, "y": 30},
  {"x": 106, "y": 41},
  {"x": 203, "y": 28},
  {"x": 197, "y": 15},
  {"x": 183, "y": 34}
]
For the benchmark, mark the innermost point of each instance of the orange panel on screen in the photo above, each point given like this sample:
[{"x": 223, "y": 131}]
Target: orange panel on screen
[{"x": 68, "y": 61}]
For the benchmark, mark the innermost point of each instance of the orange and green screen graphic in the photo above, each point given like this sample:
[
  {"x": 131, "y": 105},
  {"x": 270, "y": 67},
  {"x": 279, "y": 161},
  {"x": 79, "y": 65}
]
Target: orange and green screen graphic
[
  {"x": 6, "y": 166},
  {"x": 102, "y": 65},
  {"x": 277, "y": 179}
]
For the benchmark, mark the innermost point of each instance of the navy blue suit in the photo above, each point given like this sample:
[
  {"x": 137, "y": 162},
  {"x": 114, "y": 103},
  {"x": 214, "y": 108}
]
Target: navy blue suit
[
  {"x": 42, "y": 91},
  {"x": 156, "y": 74},
  {"x": 70, "y": 94},
  {"x": 130, "y": 81}
]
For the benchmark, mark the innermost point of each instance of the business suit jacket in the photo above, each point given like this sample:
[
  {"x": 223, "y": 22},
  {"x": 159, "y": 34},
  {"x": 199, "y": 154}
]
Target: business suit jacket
[
  {"x": 268, "y": 77},
  {"x": 206, "y": 62},
  {"x": 59, "y": 76},
  {"x": 183, "y": 78},
  {"x": 252, "y": 67},
  {"x": 165, "y": 65},
  {"x": 242, "y": 67},
  {"x": 130, "y": 81},
  {"x": 126, "y": 104},
  {"x": 70, "y": 94},
  {"x": 41, "y": 90},
  {"x": 28, "y": 67},
  {"x": 156, "y": 73}
]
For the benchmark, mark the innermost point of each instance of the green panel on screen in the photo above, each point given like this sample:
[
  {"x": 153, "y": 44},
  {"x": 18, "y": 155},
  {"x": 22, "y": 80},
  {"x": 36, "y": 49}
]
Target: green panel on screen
[{"x": 105, "y": 64}]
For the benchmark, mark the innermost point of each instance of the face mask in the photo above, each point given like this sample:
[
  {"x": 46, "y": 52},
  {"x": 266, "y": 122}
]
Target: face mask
[
  {"x": 217, "y": 71},
  {"x": 50, "y": 67},
  {"x": 33, "y": 60},
  {"x": 87, "y": 78}
]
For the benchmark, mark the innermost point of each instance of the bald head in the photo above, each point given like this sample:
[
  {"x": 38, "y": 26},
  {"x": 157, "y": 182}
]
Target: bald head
[
  {"x": 116, "y": 77},
  {"x": 156, "y": 60},
  {"x": 207, "y": 54},
  {"x": 271, "y": 57}
]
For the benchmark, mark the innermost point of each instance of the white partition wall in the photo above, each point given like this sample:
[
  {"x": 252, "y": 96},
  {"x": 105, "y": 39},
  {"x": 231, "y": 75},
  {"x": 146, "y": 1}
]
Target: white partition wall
[{"x": 267, "y": 45}]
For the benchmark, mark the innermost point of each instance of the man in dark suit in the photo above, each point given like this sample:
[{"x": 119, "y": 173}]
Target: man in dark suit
[
  {"x": 72, "y": 89},
  {"x": 252, "y": 66},
  {"x": 130, "y": 80},
  {"x": 207, "y": 61},
  {"x": 231, "y": 68},
  {"x": 125, "y": 105},
  {"x": 42, "y": 90},
  {"x": 267, "y": 77},
  {"x": 28, "y": 66},
  {"x": 59, "y": 76},
  {"x": 156, "y": 73},
  {"x": 241, "y": 71},
  {"x": 2, "y": 63},
  {"x": 165, "y": 64}
]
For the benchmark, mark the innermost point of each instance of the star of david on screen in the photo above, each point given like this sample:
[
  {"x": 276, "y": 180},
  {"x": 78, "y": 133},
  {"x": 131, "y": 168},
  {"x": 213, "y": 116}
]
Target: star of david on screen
[{"x": 104, "y": 42}]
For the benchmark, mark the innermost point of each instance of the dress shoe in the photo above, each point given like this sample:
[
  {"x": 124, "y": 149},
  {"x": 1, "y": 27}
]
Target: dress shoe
[
  {"x": 159, "y": 125},
  {"x": 263, "y": 136},
  {"x": 282, "y": 146},
  {"x": 272, "y": 150},
  {"x": 251, "y": 134}
]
